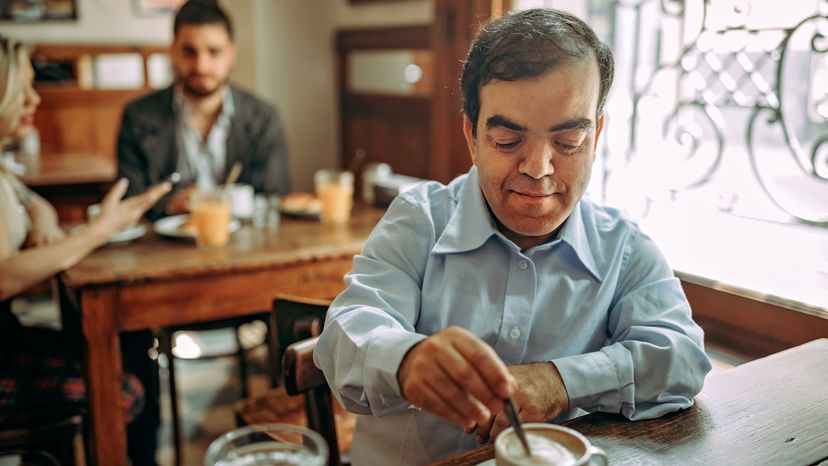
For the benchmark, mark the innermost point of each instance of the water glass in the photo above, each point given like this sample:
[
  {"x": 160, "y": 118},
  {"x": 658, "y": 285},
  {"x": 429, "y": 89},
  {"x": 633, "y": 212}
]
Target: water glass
[
  {"x": 266, "y": 211},
  {"x": 268, "y": 444}
]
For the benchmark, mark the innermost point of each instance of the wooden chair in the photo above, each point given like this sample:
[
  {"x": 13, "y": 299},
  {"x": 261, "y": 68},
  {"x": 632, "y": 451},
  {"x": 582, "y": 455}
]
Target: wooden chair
[
  {"x": 53, "y": 442},
  {"x": 294, "y": 320},
  {"x": 324, "y": 414}
]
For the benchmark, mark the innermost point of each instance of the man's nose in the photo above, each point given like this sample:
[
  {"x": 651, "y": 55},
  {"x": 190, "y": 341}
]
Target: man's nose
[
  {"x": 202, "y": 63},
  {"x": 537, "y": 160}
]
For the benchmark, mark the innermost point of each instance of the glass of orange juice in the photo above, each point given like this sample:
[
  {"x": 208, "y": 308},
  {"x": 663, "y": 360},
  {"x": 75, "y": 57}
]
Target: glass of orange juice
[
  {"x": 335, "y": 190},
  {"x": 211, "y": 216}
]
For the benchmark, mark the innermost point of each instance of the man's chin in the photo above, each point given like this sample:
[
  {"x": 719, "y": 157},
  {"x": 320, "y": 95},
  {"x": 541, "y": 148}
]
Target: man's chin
[{"x": 200, "y": 91}]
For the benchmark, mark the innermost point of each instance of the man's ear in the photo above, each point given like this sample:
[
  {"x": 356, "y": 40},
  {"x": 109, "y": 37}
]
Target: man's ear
[
  {"x": 598, "y": 129},
  {"x": 233, "y": 53},
  {"x": 470, "y": 141}
]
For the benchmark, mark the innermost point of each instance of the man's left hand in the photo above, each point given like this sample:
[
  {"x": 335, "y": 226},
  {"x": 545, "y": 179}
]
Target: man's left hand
[{"x": 540, "y": 397}]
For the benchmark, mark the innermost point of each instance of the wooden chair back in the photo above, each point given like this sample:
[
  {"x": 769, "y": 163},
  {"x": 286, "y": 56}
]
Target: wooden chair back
[
  {"x": 303, "y": 377},
  {"x": 293, "y": 318}
]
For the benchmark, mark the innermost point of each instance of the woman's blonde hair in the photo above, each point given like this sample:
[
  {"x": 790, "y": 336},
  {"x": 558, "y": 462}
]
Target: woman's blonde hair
[{"x": 12, "y": 55}]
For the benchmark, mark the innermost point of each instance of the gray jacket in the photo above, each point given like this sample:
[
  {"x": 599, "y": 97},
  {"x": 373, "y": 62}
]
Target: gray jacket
[{"x": 147, "y": 151}]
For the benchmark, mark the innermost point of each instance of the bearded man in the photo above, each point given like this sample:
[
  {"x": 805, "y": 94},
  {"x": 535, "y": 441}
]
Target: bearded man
[{"x": 201, "y": 125}]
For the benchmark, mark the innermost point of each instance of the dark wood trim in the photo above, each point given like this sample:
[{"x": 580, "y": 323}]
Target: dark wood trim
[
  {"x": 384, "y": 38},
  {"x": 71, "y": 52},
  {"x": 413, "y": 106},
  {"x": 456, "y": 22},
  {"x": 750, "y": 327}
]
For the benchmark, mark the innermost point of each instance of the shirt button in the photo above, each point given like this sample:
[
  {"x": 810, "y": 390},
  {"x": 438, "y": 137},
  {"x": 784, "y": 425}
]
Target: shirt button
[
  {"x": 523, "y": 265},
  {"x": 515, "y": 333}
]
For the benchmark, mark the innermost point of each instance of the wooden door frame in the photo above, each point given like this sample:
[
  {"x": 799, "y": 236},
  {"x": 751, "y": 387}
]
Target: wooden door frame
[{"x": 455, "y": 24}]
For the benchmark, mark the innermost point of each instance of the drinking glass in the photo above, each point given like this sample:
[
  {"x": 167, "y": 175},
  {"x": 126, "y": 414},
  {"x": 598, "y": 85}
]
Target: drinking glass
[
  {"x": 211, "y": 216},
  {"x": 266, "y": 211},
  {"x": 268, "y": 444},
  {"x": 335, "y": 190}
]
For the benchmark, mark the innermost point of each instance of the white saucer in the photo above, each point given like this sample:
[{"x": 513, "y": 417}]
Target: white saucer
[
  {"x": 128, "y": 234},
  {"x": 122, "y": 236}
]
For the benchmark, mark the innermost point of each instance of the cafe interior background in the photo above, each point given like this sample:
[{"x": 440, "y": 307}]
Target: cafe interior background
[{"x": 716, "y": 138}]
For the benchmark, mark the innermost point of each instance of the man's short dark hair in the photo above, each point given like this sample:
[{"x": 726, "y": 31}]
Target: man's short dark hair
[
  {"x": 528, "y": 44},
  {"x": 202, "y": 13}
]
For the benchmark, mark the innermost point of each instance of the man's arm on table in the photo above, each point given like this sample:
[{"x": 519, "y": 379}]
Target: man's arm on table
[{"x": 653, "y": 362}]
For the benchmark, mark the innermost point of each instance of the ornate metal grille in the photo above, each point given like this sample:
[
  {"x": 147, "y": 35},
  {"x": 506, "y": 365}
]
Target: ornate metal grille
[{"x": 724, "y": 93}]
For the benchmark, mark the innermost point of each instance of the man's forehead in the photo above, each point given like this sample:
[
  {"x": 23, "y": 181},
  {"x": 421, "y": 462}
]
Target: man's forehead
[
  {"x": 561, "y": 91},
  {"x": 196, "y": 34}
]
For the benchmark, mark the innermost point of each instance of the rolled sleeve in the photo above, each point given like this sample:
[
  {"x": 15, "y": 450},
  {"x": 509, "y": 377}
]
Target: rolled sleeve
[
  {"x": 598, "y": 381},
  {"x": 384, "y": 356}
]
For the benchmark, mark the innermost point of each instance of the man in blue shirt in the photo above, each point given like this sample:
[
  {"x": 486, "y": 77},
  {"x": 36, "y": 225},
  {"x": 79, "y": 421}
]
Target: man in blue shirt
[{"x": 507, "y": 282}]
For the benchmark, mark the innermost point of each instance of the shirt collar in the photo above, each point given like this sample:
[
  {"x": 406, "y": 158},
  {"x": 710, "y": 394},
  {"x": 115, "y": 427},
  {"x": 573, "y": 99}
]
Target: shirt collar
[
  {"x": 574, "y": 233},
  {"x": 228, "y": 106},
  {"x": 471, "y": 224}
]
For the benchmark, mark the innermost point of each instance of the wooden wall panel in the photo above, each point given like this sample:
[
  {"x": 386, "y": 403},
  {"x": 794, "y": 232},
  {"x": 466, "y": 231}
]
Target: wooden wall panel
[
  {"x": 81, "y": 121},
  {"x": 748, "y": 326}
]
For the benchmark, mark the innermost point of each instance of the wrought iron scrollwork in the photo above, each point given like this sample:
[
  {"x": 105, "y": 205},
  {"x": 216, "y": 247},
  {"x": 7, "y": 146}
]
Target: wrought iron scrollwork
[{"x": 732, "y": 65}]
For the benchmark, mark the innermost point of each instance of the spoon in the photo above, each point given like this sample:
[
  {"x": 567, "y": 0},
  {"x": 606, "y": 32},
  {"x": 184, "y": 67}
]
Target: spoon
[
  {"x": 511, "y": 414},
  {"x": 233, "y": 175}
]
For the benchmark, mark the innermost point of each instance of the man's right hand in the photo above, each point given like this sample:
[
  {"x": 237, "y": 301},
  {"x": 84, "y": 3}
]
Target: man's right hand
[
  {"x": 456, "y": 376},
  {"x": 180, "y": 202}
]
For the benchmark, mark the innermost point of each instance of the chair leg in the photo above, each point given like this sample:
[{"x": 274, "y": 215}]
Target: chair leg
[
  {"x": 243, "y": 369},
  {"x": 165, "y": 346}
]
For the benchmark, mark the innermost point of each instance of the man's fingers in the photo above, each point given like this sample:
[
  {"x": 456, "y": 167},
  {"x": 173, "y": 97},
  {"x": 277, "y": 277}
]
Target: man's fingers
[
  {"x": 431, "y": 401},
  {"x": 484, "y": 429},
  {"x": 484, "y": 359},
  {"x": 455, "y": 395},
  {"x": 499, "y": 425},
  {"x": 464, "y": 375}
]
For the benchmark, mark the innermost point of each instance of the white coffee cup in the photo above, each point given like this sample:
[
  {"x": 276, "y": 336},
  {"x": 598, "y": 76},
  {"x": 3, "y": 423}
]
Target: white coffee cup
[
  {"x": 551, "y": 445},
  {"x": 241, "y": 200}
]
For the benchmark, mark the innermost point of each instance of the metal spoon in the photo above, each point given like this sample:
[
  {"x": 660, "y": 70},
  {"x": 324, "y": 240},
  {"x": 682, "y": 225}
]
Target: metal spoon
[{"x": 511, "y": 414}]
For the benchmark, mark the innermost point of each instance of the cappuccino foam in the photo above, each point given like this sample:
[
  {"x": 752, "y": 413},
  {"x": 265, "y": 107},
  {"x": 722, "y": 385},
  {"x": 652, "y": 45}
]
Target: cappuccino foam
[{"x": 545, "y": 451}]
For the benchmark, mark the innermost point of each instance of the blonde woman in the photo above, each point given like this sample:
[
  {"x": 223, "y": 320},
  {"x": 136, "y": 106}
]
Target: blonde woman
[{"x": 40, "y": 369}]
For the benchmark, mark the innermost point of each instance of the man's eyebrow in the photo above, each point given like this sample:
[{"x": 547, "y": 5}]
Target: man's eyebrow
[
  {"x": 499, "y": 120},
  {"x": 578, "y": 123}
]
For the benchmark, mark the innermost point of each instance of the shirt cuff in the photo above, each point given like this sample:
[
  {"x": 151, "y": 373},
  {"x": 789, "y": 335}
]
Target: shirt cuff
[
  {"x": 383, "y": 359},
  {"x": 593, "y": 382}
]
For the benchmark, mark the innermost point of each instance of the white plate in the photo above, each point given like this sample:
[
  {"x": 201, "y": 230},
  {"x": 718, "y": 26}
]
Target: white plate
[
  {"x": 300, "y": 213},
  {"x": 170, "y": 226},
  {"x": 122, "y": 236},
  {"x": 490, "y": 462},
  {"x": 128, "y": 234}
]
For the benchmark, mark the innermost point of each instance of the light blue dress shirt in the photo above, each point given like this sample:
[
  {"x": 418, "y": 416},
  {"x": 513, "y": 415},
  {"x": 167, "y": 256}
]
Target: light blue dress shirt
[
  {"x": 599, "y": 301},
  {"x": 201, "y": 160}
]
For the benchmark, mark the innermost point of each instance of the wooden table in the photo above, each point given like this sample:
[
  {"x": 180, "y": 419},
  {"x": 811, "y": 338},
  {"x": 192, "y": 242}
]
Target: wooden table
[
  {"x": 71, "y": 181},
  {"x": 156, "y": 282},
  {"x": 773, "y": 410}
]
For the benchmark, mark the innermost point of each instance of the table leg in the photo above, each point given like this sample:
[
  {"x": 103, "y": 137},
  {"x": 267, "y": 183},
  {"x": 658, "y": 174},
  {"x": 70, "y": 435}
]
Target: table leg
[{"x": 103, "y": 376}]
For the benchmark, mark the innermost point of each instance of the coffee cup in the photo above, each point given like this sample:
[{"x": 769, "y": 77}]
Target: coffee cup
[
  {"x": 241, "y": 200},
  {"x": 551, "y": 445}
]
